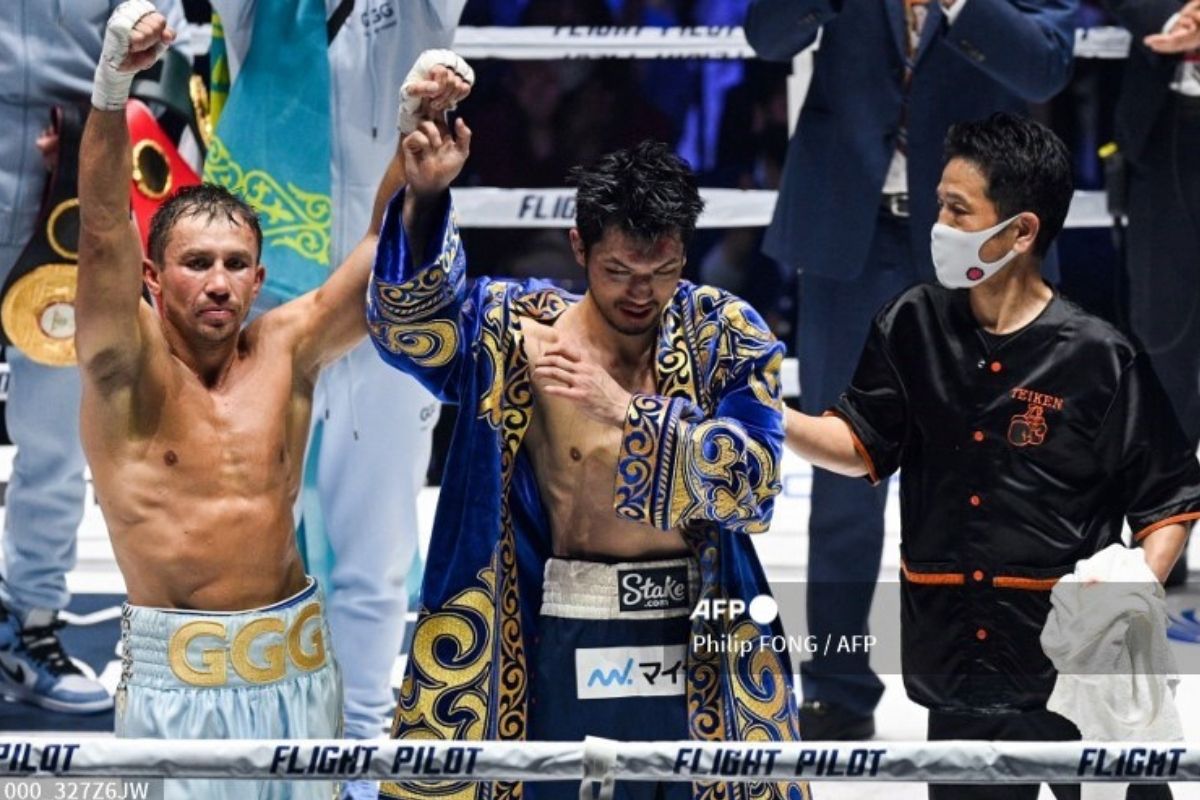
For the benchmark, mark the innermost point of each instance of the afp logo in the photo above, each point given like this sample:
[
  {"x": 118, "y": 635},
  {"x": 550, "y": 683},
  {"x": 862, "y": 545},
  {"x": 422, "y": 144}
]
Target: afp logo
[{"x": 762, "y": 609}]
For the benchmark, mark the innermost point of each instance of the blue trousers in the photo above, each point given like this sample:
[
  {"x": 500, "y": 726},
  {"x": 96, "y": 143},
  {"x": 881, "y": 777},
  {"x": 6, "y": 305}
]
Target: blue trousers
[
  {"x": 43, "y": 504},
  {"x": 845, "y": 529}
]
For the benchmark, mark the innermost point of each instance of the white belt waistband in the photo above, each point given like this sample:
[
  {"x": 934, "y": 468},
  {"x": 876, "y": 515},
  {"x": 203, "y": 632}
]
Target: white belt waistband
[
  {"x": 629, "y": 590},
  {"x": 170, "y": 648}
]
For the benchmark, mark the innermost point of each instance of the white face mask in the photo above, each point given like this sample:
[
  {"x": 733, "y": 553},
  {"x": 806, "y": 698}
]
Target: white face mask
[{"x": 956, "y": 255}]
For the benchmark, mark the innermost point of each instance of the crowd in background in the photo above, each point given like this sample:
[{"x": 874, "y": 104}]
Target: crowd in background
[{"x": 728, "y": 118}]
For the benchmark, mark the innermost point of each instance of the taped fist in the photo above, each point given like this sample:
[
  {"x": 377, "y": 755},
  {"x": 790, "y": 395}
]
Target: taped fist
[
  {"x": 135, "y": 38},
  {"x": 436, "y": 83}
]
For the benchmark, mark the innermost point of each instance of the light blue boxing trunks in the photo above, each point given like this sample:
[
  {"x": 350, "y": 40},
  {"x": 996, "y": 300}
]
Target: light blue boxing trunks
[{"x": 267, "y": 673}]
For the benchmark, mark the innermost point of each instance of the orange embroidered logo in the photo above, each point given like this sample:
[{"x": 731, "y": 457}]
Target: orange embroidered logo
[{"x": 1029, "y": 429}]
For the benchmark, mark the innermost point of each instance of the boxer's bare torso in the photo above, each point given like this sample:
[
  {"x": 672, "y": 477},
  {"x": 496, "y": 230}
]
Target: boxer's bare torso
[
  {"x": 194, "y": 426},
  {"x": 196, "y": 480},
  {"x": 575, "y": 460}
]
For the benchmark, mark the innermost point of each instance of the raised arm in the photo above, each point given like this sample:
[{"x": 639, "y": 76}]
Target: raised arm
[
  {"x": 332, "y": 318},
  {"x": 1026, "y": 45},
  {"x": 418, "y": 312},
  {"x": 108, "y": 296},
  {"x": 779, "y": 29}
]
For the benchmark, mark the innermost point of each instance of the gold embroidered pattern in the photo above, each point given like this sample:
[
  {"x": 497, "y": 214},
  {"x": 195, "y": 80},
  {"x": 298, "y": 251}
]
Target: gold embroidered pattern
[
  {"x": 445, "y": 690},
  {"x": 407, "y": 310},
  {"x": 674, "y": 368},
  {"x": 291, "y": 217},
  {"x": 283, "y": 644},
  {"x": 726, "y": 471},
  {"x": 506, "y": 404},
  {"x": 429, "y": 344},
  {"x": 646, "y": 423},
  {"x": 213, "y": 658},
  {"x": 487, "y": 696},
  {"x": 491, "y": 341},
  {"x": 426, "y": 293},
  {"x": 726, "y": 337}
]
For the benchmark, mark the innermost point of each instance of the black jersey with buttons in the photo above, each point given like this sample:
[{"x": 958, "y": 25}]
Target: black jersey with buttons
[{"x": 1018, "y": 455}]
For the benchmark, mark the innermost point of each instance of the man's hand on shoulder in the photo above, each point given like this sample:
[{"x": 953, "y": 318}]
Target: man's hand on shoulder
[
  {"x": 134, "y": 39},
  {"x": 565, "y": 370}
]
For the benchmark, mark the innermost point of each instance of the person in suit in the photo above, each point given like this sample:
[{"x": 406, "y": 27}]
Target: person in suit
[
  {"x": 855, "y": 206},
  {"x": 1157, "y": 126}
]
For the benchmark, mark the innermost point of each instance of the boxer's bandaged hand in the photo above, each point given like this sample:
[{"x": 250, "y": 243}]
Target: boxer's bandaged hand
[
  {"x": 410, "y": 103},
  {"x": 110, "y": 88}
]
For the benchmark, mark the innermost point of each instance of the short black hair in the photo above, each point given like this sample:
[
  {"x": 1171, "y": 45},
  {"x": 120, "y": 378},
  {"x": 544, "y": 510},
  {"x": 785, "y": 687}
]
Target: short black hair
[
  {"x": 205, "y": 199},
  {"x": 646, "y": 191},
  {"x": 1027, "y": 168}
]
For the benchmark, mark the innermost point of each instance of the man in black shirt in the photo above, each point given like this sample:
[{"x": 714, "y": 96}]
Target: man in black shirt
[{"x": 1025, "y": 430}]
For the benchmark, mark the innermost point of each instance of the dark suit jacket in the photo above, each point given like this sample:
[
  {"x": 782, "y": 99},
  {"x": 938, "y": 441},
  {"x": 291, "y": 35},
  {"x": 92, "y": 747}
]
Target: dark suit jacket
[
  {"x": 1148, "y": 75},
  {"x": 998, "y": 55}
]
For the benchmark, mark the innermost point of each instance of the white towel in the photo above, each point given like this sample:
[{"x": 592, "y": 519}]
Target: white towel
[{"x": 1107, "y": 637}]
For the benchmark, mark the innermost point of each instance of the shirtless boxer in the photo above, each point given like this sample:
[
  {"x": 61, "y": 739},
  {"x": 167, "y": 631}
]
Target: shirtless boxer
[
  {"x": 195, "y": 432},
  {"x": 609, "y": 449}
]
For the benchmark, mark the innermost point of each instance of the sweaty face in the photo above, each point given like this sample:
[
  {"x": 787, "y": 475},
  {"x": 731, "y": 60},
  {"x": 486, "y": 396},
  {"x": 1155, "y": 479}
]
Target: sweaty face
[
  {"x": 963, "y": 204},
  {"x": 631, "y": 280},
  {"x": 209, "y": 278}
]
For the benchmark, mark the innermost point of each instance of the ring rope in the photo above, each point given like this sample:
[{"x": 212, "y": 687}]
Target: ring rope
[
  {"x": 489, "y": 207},
  {"x": 645, "y": 42},
  {"x": 474, "y": 761}
]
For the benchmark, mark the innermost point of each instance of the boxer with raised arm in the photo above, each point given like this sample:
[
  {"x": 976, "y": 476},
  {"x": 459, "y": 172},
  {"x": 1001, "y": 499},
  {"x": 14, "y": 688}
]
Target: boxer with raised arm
[
  {"x": 195, "y": 431},
  {"x": 610, "y": 451}
]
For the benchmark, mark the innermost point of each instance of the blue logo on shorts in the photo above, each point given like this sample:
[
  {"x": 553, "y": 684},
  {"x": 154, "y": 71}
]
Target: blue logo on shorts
[{"x": 613, "y": 676}]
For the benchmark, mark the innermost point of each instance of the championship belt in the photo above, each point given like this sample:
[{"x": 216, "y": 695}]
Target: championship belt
[
  {"x": 37, "y": 312},
  {"x": 158, "y": 169}
]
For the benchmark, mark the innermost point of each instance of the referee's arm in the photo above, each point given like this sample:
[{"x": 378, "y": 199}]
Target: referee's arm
[
  {"x": 826, "y": 442},
  {"x": 1163, "y": 547}
]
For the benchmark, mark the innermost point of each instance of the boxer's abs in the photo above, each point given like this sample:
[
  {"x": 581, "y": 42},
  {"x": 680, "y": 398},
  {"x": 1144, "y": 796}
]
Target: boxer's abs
[
  {"x": 202, "y": 527},
  {"x": 575, "y": 460}
]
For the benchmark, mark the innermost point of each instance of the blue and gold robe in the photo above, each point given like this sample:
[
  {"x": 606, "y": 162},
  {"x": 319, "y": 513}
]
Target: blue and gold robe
[{"x": 701, "y": 455}]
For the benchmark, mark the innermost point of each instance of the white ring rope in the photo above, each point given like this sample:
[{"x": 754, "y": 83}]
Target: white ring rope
[
  {"x": 389, "y": 759},
  {"x": 725, "y": 208},
  {"x": 717, "y": 41},
  {"x": 487, "y": 207}
]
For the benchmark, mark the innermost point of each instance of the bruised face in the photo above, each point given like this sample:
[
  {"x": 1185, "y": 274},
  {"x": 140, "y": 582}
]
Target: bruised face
[
  {"x": 209, "y": 278},
  {"x": 630, "y": 279}
]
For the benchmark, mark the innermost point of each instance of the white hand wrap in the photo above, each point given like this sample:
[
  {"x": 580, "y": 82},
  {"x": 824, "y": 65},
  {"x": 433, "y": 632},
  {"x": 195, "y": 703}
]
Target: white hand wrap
[
  {"x": 410, "y": 104},
  {"x": 110, "y": 88}
]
